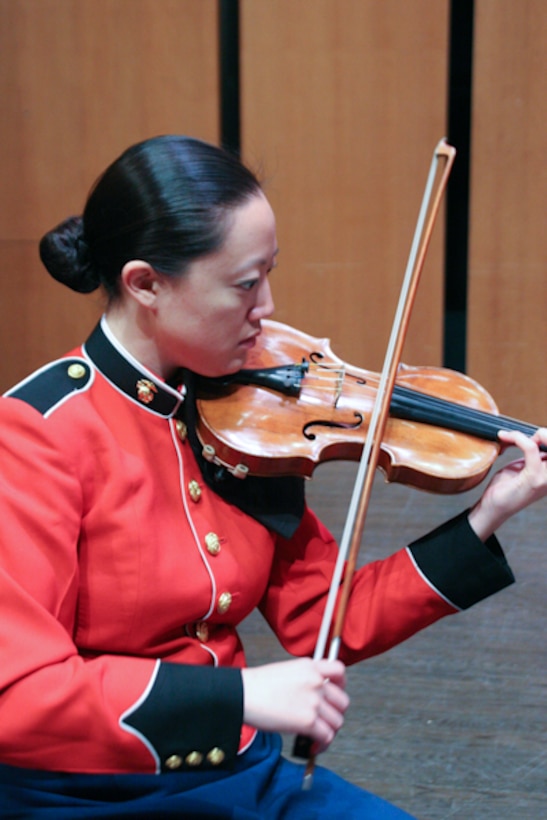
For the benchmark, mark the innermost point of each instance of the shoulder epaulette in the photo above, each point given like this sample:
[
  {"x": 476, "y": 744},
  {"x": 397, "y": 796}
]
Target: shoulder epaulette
[{"x": 53, "y": 384}]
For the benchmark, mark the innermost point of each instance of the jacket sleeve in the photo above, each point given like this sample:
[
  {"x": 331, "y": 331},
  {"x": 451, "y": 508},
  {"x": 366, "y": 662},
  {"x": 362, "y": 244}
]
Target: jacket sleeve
[
  {"x": 107, "y": 713},
  {"x": 391, "y": 599}
]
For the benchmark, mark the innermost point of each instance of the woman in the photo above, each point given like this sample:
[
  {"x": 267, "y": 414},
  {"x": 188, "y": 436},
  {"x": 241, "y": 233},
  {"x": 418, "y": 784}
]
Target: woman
[{"x": 128, "y": 561}]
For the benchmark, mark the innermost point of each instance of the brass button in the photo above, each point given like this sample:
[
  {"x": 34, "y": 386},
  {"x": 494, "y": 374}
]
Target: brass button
[
  {"x": 76, "y": 371},
  {"x": 174, "y": 762},
  {"x": 194, "y": 490},
  {"x": 146, "y": 390},
  {"x": 202, "y": 632},
  {"x": 194, "y": 759},
  {"x": 181, "y": 429},
  {"x": 224, "y": 602},
  {"x": 216, "y": 756},
  {"x": 212, "y": 542}
]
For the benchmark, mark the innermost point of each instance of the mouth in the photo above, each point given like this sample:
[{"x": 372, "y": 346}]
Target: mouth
[{"x": 250, "y": 341}]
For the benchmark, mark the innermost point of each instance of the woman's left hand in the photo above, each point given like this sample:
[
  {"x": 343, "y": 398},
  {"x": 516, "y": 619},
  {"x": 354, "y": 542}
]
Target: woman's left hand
[{"x": 516, "y": 486}]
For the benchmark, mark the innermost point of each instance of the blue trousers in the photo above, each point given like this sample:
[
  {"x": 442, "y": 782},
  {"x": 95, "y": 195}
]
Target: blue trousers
[{"x": 262, "y": 786}]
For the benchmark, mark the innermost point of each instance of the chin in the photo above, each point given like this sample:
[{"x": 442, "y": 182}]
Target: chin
[
  {"x": 234, "y": 368},
  {"x": 228, "y": 369}
]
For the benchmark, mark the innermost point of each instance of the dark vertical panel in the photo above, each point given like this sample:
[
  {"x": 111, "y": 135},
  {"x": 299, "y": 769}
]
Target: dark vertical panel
[
  {"x": 457, "y": 203},
  {"x": 229, "y": 75}
]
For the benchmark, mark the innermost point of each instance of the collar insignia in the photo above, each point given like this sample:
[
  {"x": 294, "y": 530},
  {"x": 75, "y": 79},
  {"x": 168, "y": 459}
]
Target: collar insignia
[{"x": 146, "y": 390}]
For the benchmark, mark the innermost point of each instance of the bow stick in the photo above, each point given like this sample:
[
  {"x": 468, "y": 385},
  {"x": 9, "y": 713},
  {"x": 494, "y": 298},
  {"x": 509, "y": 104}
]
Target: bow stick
[{"x": 355, "y": 521}]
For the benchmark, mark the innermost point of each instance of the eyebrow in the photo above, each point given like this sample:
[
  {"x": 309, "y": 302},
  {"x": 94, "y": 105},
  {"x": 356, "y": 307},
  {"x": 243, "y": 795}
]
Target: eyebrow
[
  {"x": 274, "y": 256},
  {"x": 265, "y": 261},
  {"x": 259, "y": 261}
]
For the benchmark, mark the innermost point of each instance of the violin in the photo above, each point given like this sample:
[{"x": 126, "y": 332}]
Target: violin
[{"x": 298, "y": 405}]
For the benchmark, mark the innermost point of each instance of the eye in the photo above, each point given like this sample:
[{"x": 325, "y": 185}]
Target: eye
[{"x": 248, "y": 284}]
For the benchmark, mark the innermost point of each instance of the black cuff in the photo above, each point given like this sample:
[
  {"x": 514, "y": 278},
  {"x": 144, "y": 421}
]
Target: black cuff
[
  {"x": 459, "y": 565},
  {"x": 192, "y": 716}
]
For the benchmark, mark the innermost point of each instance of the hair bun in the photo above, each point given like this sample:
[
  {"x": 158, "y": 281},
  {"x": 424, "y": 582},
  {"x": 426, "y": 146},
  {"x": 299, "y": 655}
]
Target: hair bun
[{"x": 66, "y": 255}]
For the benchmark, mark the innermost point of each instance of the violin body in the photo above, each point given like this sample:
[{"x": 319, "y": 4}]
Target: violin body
[{"x": 256, "y": 429}]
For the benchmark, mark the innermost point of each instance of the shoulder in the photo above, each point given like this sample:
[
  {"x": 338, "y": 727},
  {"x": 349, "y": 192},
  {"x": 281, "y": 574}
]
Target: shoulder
[{"x": 52, "y": 385}]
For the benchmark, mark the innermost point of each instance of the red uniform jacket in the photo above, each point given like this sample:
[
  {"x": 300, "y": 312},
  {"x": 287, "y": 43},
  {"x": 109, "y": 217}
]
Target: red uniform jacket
[{"x": 123, "y": 578}]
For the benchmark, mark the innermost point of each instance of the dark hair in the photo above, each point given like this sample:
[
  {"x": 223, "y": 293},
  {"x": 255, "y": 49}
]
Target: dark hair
[{"x": 163, "y": 200}]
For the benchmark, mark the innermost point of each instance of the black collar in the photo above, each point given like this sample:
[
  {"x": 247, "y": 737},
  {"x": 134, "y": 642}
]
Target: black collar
[{"x": 130, "y": 377}]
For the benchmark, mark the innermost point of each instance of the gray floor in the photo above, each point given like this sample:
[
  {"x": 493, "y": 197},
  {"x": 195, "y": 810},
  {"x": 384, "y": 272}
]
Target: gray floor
[{"x": 453, "y": 723}]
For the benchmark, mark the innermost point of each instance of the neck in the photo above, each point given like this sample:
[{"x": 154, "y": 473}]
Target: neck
[{"x": 132, "y": 328}]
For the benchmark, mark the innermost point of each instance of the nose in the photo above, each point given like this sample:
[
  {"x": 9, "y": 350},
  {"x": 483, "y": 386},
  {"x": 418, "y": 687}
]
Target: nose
[{"x": 264, "y": 305}]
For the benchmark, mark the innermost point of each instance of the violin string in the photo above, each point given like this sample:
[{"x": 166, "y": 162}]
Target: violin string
[
  {"x": 328, "y": 375},
  {"x": 324, "y": 377}
]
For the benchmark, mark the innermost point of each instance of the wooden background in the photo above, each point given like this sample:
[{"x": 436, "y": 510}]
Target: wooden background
[
  {"x": 507, "y": 336},
  {"x": 342, "y": 103},
  {"x": 81, "y": 80}
]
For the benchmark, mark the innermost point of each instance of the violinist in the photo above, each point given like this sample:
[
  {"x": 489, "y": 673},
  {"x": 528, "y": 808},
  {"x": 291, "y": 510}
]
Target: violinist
[{"x": 127, "y": 561}]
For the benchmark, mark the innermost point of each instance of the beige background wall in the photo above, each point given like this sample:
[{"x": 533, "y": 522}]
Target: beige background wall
[
  {"x": 507, "y": 334},
  {"x": 80, "y": 80},
  {"x": 343, "y": 102}
]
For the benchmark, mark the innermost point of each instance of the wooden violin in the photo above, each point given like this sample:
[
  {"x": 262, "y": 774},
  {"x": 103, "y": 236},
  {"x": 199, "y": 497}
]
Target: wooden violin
[{"x": 298, "y": 405}]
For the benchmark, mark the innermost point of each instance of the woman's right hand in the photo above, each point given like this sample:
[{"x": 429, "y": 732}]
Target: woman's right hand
[{"x": 302, "y": 696}]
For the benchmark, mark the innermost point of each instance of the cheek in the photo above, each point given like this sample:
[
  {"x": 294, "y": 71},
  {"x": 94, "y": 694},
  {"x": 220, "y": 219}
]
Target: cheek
[{"x": 225, "y": 321}]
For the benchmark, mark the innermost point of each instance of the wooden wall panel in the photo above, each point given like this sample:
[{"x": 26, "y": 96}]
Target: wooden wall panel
[
  {"x": 343, "y": 102},
  {"x": 507, "y": 339},
  {"x": 80, "y": 80}
]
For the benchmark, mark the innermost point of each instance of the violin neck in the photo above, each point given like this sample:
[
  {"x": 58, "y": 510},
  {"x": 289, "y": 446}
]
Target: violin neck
[{"x": 415, "y": 406}]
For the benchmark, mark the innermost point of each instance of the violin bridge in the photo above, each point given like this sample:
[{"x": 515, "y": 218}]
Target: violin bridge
[{"x": 339, "y": 384}]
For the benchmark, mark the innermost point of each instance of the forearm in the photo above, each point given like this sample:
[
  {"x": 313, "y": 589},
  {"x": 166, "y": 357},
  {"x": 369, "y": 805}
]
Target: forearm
[
  {"x": 446, "y": 570},
  {"x": 118, "y": 714},
  {"x": 484, "y": 521}
]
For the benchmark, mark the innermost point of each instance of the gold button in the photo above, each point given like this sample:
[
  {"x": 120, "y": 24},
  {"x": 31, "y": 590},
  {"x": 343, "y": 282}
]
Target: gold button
[
  {"x": 216, "y": 756},
  {"x": 146, "y": 390},
  {"x": 202, "y": 632},
  {"x": 224, "y": 602},
  {"x": 194, "y": 490},
  {"x": 76, "y": 371},
  {"x": 181, "y": 429},
  {"x": 174, "y": 762},
  {"x": 212, "y": 542},
  {"x": 194, "y": 759}
]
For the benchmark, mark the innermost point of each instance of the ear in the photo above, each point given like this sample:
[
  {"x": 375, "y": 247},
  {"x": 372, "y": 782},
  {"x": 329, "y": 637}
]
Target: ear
[{"x": 140, "y": 281}]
